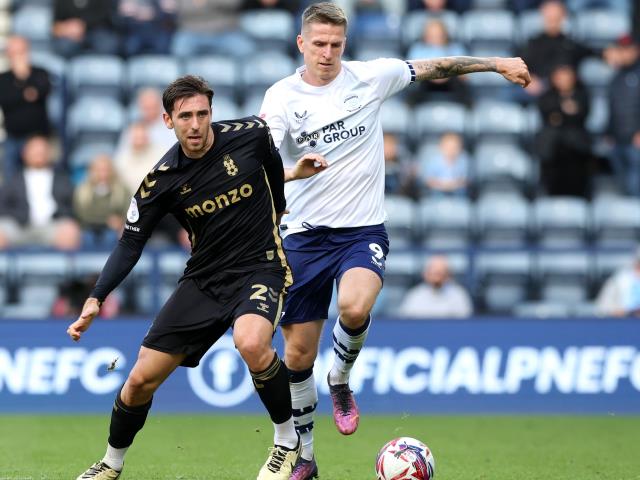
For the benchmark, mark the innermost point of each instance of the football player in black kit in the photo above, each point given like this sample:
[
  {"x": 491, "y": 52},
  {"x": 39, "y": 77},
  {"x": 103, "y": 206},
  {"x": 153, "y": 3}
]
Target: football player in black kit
[{"x": 224, "y": 183}]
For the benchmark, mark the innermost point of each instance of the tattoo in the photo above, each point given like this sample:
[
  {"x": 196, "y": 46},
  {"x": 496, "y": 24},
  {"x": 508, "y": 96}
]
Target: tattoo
[{"x": 445, "y": 67}]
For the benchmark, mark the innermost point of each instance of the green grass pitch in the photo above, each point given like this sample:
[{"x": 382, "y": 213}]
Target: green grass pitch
[{"x": 176, "y": 447}]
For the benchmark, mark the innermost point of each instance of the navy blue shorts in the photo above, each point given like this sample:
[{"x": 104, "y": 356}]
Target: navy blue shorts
[{"x": 320, "y": 256}]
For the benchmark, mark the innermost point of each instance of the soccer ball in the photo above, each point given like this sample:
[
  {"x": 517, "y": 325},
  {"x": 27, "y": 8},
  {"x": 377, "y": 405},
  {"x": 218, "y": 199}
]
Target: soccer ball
[{"x": 405, "y": 458}]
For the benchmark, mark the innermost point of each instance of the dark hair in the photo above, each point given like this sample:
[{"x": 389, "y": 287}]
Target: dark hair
[
  {"x": 184, "y": 87},
  {"x": 324, "y": 12}
]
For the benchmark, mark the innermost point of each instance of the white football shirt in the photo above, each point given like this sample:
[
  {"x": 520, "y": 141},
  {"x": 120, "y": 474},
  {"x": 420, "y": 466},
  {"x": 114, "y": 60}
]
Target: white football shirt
[{"x": 340, "y": 121}]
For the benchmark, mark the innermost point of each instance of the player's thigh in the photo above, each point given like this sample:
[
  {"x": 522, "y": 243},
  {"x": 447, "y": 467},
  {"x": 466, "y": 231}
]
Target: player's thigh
[
  {"x": 252, "y": 336},
  {"x": 357, "y": 291},
  {"x": 151, "y": 369},
  {"x": 302, "y": 341}
]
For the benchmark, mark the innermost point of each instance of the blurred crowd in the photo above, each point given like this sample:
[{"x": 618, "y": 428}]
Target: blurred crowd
[{"x": 573, "y": 133}]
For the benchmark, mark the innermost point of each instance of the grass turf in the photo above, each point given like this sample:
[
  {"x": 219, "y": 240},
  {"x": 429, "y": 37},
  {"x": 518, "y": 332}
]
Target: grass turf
[{"x": 229, "y": 447}]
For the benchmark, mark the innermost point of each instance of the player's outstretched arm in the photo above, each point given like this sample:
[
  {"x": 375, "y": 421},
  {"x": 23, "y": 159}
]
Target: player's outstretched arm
[
  {"x": 307, "y": 166},
  {"x": 89, "y": 311},
  {"x": 513, "y": 69}
]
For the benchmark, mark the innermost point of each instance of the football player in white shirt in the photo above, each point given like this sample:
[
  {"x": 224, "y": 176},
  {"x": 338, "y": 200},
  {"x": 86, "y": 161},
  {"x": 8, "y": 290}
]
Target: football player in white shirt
[{"x": 335, "y": 228}]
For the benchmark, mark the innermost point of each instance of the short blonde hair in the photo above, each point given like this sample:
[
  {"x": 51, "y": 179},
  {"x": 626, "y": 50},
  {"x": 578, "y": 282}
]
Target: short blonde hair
[{"x": 324, "y": 12}]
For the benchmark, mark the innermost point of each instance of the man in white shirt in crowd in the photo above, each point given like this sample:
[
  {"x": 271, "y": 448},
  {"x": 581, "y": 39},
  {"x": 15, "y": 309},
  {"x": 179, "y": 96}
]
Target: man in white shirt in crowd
[
  {"x": 439, "y": 296},
  {"x": 335, "y": 229}
]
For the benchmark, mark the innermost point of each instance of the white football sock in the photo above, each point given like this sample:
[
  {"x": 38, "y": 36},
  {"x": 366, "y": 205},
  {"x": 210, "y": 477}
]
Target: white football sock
[
  {"x": 284, "y": 434},
  {"x": 115, "y": 457},
  {"x": 346, "y": 348},
  {"x": 304, "y": 399}
]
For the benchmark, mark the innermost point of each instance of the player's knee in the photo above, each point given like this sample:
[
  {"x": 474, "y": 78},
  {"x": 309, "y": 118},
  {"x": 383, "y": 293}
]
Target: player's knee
[
  {"x": 254, "y": 350},
  {"x": 300, "y": 357},
  {"x": 353, "y": 315},
  {"x": 139, "y": 386}
]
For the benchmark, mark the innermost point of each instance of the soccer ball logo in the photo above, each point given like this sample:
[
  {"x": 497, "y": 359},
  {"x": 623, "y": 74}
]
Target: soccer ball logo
[{"x": 405, "y": 458}]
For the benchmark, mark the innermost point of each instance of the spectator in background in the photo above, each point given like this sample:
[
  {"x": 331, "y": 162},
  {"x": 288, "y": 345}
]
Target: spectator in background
[
  {"x": 86, "y": 25},
  {"x": 551, "y": 48},
  {"x": 399, "y": 176},
  {"x": 435, "y": 43},
  {"x": 149, "y": 113},
  {"x": 438, "y": 6},
  {"x": 36, "y": 206},
  {"x": 624, "y": 113},
  {"x": 137, "y": 157},
  {"x": 564, "y": 144},
  {"x": 439, "y": 296},
  {"x": 100, "y": 203},
  {"x": 148, "y": 25},
  {"x": 620, "y": 294},
  {"x": 23, "y": 99},
  {"x": 446, "y": 174},
  {"x": 210, "y": 26},
  {"x": 72, "y": 294},
  {"x": 291, "y": 6}
]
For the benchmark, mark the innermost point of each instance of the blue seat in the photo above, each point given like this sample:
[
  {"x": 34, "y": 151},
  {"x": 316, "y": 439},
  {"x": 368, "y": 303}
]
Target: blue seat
[
  {"x": 152, "y": 71},
  {"x": 95, "y": 119},
  {"x": 529, "y": 24},
  {"x": 488, "y": 27},
  {"x": 365, "y": 52},
  {"x": 400, "y": 223},
  {"x": 56, "y": 66},
  {"x": 598, "y": 119},
  {"x": 503, "y": 166},
  {"x": 262, "y": 70},
  {"x": 504, "y": 279},
  {"x": 503, "y": 220},
  {"x": 616, "y": 221},
  {"x": 272, "y": 29},
  {"x": 564, "y": 277},
  {"x": 83, "y": 153},
  {"x": 225, "y": 109},
  {"x": 395, "y": 117},
  {"x": 97, "y": 75},
  {"x": 436, "y": 118},
  {"x": 561, "y": 221},
  {"x": 496, "y": 119},
  {"x": 541, "y": 309},
  {"x": 34, "y": 22},
  {"x": 445, "y": 222},
  {"x": 221, "y": 72},
  {"x": 376, "y": 29},
  {"x": 402, "y": 269},
  {"x": 600, "y": 28}
]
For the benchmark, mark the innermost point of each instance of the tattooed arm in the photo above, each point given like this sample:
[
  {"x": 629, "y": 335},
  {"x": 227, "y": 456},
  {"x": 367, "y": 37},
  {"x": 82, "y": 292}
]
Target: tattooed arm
[{"x": 513, "y": 69}]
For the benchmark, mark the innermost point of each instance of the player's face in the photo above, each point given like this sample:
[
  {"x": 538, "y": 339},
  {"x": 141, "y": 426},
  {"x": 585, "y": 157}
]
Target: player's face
[
  {"x": 322, "y": 46},
  {"x": 191, "y": 120}
]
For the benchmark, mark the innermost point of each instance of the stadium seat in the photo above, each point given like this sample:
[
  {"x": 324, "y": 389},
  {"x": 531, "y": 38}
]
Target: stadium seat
[
  {"x": 222, "y": 73},
  {"x": 564, "y": 277},
  {"x": 529, "y": 24},
  {"x": 488, "y": 27},
  {"x": 561, "y": 221},
  {"x": 41, "y": 268},
  {"x": 262, "y": 70},
  {"x": 172, "y": 265},
  {"x": 366, "y": 52},
  {"x": 34, "y": 22},
  {"x": 88, "y": 263},
  {"x": 102, "y": 75},
  {"x": 600, "y": 28},
  {"x": 400, "y": 221},
  {"x": 504, "y": 279},
  {"x": 413, "y": 25},
  {"x": 56, "y": 66},
  {"x": 596, "y": 74},
  {"x": 445, "y": 222},
  {"x": 376, "y": 29},
  {"x": 395, "y": 117},
  {"x": 224, "y": 108},
  {"x": 502, "y": 220},
  {"x": 503, "y": 166},
  {"x": 616, "y": 221},
  {"x": 151, "y": 71},
  {"x": 489, "y": 85},
  {"x": 272, "y": 29},
  {"x": 402, "y": 268},
  {"x": 598, "y": 119},
  {"x": 82, "y": 155},
  {"x": 495, "y": 119},
  {"x": 95, "y": 119},
  {"x": 541, "y": 310},
  {"x": 252, "y": 104},
  {"x": 436, "y": 118},
  {"x": 607, "y": 262}
]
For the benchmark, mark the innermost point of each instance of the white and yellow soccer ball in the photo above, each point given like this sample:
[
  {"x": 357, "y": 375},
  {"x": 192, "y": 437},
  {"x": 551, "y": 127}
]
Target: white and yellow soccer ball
[{"x": 405, "y": 458}]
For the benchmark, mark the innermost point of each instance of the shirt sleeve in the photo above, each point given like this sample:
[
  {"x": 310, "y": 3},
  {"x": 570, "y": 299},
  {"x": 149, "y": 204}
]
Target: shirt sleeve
[
  {"x": 275, "y": 174},
  {"x": 145, "y": 211},
  {"x": 389, "y": 75},
  {"x": 272, "y": 112}
]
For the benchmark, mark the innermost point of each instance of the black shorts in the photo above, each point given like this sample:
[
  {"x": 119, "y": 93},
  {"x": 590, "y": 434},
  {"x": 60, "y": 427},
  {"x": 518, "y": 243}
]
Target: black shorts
[{"x": 194, "y": 318}]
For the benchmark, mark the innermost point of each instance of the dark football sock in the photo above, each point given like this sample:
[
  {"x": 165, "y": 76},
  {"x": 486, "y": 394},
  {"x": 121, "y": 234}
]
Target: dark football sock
[
  {"x": 272, "y": 385},
  {"x": 126, "y": 422}
]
